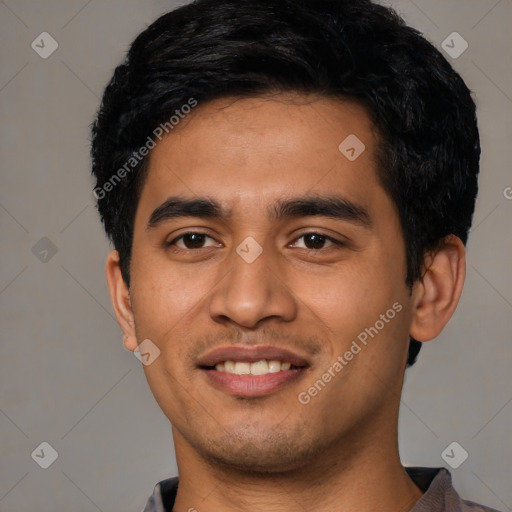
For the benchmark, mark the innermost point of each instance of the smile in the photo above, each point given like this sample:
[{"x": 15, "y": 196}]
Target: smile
[
  {"x": 262, "y": 367},
  {"x": 251, "y": 372}
]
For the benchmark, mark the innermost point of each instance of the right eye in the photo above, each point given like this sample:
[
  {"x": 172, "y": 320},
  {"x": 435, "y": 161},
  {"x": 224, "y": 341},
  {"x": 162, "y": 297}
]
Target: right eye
[{"x": 191, "y": 240}]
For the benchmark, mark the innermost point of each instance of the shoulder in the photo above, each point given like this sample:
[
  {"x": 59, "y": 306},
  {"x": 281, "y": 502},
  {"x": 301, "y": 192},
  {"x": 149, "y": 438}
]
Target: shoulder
[
  {"x": 163, "y": 496},
  {"x": 436, "y": 483},
  {"x": 439, "y": 493}
]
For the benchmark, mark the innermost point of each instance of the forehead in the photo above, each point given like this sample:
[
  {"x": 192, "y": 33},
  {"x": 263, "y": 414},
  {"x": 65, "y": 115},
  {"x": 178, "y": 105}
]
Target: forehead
[{"x": 244, "y": 151}]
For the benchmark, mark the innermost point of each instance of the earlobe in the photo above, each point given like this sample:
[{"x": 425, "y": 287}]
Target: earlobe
[
  {"x": 438, "y": 292},
  {"x": 121, "y": 302}
]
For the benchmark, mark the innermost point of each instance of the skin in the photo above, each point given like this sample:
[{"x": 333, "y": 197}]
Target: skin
[{"x": 340, "y": 451}]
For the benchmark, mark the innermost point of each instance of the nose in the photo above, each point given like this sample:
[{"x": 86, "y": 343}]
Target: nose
[{"x": 253, "y": 290}]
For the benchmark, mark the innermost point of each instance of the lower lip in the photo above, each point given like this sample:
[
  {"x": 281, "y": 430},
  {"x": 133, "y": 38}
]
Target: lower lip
[{"x": 252, "y": 385}]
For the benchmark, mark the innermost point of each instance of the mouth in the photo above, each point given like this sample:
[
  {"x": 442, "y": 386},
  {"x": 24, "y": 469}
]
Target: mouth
[{"x": 252, "y": 371}]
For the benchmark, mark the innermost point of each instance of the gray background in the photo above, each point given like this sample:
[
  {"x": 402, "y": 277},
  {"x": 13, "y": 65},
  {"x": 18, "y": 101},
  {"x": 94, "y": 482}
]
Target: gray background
[{"x": 65, "y": 377}]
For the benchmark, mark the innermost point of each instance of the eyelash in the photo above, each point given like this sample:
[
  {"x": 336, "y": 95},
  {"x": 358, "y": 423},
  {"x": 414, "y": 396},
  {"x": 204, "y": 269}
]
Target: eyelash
[{"x": 333, "y": 240}]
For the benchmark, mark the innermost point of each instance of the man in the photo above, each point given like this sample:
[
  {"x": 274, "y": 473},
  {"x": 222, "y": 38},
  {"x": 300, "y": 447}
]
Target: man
[{"x": 288, "y": 185}]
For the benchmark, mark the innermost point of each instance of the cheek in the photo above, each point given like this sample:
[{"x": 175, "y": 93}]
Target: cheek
[
  {"x": 165, "y": 303},
  {"x": 170, "y": 308},
  {"x": 347, "y": 296},
  {"x": 163, "y": 293},
  {"x": 365, "y": 299}
]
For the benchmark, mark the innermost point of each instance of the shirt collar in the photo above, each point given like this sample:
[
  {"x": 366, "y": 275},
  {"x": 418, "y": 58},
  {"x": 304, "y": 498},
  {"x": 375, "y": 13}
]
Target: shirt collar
[{"x": 436, "y": 483}]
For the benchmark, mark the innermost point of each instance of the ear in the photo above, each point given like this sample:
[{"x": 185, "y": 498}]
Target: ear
[
  {"x": 120, "y": 297},
  {"x": 437, "y": 293}
]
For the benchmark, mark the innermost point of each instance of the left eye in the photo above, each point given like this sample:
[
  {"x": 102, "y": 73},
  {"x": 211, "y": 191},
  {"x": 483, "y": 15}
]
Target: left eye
[
  {"x": 194, "y": 240},
  {"x": 315, "y": 240}
]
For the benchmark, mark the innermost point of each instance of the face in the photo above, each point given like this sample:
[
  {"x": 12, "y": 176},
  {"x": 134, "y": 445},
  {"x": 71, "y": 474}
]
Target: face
[{"x": 257, "y": 275}]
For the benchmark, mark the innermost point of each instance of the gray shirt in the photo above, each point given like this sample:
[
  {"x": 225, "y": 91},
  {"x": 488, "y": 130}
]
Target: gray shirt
[{"x": 436, "y": 483}]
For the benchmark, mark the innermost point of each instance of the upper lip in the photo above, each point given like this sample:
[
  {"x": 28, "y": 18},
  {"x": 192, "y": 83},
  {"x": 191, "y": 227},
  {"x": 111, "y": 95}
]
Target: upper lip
[{"x": 251, "y": 355}]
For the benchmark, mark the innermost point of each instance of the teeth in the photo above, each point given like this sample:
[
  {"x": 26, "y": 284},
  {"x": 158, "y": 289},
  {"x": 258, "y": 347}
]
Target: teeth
[
  {"x": 258, "y": 368},
  {"x": 229, "y": 367},
  {"x": 274, "y": 366},
  {"x": 242, "y": 368}
]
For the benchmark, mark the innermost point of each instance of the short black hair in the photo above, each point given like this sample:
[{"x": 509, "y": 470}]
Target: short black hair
[{"x": 429, "y": 151}]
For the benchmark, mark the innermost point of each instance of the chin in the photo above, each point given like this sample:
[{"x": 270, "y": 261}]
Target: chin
[
  {"x": 256, "y": 452},
  {"x": 254, "y": 461}
]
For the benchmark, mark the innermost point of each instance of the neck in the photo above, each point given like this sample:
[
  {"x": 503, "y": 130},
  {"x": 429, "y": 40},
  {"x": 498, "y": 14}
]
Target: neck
[{"x": 366, "y": 477}]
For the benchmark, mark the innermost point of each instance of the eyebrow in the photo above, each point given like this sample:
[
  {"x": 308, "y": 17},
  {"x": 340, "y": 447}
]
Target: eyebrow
[{"x": 331, "y": 206}]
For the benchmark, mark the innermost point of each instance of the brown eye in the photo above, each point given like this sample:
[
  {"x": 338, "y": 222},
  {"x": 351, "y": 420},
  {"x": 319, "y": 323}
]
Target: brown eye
[
  {"x": 316, "y": 241},
  {"x": 191, "y": 240}
]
